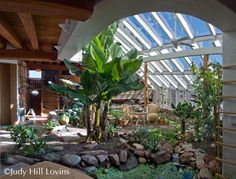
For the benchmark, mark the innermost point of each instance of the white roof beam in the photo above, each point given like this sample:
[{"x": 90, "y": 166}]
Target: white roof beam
[
  {"x": 187, "y": 53},
  {"x": 180, "y": 82}
]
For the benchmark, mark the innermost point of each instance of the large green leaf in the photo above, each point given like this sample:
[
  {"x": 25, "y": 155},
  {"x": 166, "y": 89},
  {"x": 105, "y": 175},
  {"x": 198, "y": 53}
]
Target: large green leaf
[
  {"x": 98, "y": 57},
  {"x": 72, "y": 68},
  {"x": 88, "y": 63},
  {"x": 115, "y": 51}
]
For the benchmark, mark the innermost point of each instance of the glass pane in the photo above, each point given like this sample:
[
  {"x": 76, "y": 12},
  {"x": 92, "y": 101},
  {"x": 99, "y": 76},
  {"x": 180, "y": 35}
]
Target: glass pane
[
  {"x": 205, "y": 44},
  {"x": 216, "y": 59},
  {"x": 142, "y": 29},
  {"x": 184, "y": 63},
  {"x": 197, "y": 26},
  {"x": 172, "y": 21},
  {"x": 161, "y": 34}
]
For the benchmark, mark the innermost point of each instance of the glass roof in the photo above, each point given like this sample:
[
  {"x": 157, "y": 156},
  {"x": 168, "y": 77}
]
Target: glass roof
[{"x": 156, "y": 34}]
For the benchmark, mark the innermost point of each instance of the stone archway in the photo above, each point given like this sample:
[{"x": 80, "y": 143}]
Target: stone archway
[{"x": 78, "y": 34}]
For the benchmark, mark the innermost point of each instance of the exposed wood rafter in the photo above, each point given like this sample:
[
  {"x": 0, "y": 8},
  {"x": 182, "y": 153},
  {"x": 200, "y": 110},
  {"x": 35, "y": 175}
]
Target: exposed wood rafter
[
  {"x": 70, "y": 9},
  {"x": 47, "y": 66},
  {"x": 30, "y": 29},
  {"x": 30, "y": 55},
  {"x": 8, "y": 33}
]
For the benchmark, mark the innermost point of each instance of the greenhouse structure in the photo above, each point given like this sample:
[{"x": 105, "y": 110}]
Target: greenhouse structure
[{"x": 118, "y": 89}]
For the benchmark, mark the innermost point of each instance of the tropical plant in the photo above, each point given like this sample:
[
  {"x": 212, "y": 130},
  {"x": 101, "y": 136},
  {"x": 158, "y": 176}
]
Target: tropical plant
[
  {"x": 64, "y": 119},
  {"x": 107, "y": 73},
  {"x": 22, "y": 134},
  {"x": 50, "y": 124},
  {"x": 207, "y": 87},
  {"x": 74, "y": 113},
  {"x": 183, "y": 111},
  {"x": 37, "y": 148}
]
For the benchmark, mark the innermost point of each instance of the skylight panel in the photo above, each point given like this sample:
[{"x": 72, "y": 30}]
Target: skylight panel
[
  {"x": 217, "y": 43},
  {"x": 198, "y": 26},
  {"x": 147, "y": 28},
  {"x": 156, "y": 27},
  {"x": 156, "y": 66},
  {"x": 189, "y": 79},
  {"x": 180, "y": 81},
  {"x": 171, "y": 81},
  {"x": 185, "y": 24},
  {"x": 141, "y": 39},
  {"x": 163, "y": 80},
  {"x": 143, "y": 30},
  {"x": 129, "y": 39},
  {"x": 216, "y": 59},
  {"x": 155, "y": 80},
  {"x": 124, "y": 46}
]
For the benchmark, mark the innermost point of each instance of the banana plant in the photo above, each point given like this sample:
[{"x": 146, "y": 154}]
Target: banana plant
[
  {"x": 183, "y": 111},
  {"x": 108, "y": 71}
]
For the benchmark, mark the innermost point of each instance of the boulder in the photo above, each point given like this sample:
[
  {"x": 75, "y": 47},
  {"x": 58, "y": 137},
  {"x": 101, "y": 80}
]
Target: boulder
[
  {"x": 90, "y": 146},
  {"x": 16, "y": 166},
  {"x": 90, "y": 170},
  {"x": 147, "y": 154},
  {"x": 122, "y": 141},
  {"x": 187, "y": 147},
  {"x": 212, "y": 166},
  {"x": 123, "y": 156},
  {"x": 12, "y": 160},
  {"x": 186, "y": 157},
  {"x": 58, "y": 148},
  {"x": 114, "y": 159},
  {"x": 106, "y": 164},
  {"x": 204, "y": 173},
  {"x": 142, "y": 160},
  {"x": 90, "y": 160},
  {"x": 131, "y": 163},
  {"x": 70, "y": 160},
  {"x": 93, "y": 152},
  {"x": 52, "y": 115},
  {"x": 52, "y": 157},
  {"x": 24, "y": 159},
  {"x": 137, "y": 146},
  {"x": 101, "y": 158},
  {"x": 140, "y": 153},
  {"x": 160, "y": 157},
  {"x": 168, "y": 148}
]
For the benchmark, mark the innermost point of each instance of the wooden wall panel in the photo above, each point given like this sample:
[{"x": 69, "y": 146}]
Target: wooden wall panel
[
  {"x": 5, "y": 114},
  {"x": 13, "y": 93}
]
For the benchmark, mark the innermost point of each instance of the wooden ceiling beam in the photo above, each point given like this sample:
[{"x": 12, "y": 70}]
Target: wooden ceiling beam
[
  {"x": 58, "y": 67},
  {"x": 28, "y": 55},
  {"x": 69, "y": 9},
  {"x": 30, "y": 29},
  {"x": 8, "y": 33},
  {"x": 2, "y": 43}
]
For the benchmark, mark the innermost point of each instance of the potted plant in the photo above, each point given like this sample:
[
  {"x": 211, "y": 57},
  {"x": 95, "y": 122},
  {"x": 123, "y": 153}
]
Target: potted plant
[
  {"x": 120, "y": 117},
  {"x": 161, "y": 118}
]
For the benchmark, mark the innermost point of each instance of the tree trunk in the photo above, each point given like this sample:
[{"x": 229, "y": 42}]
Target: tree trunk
[
  {"x": 97, "y": 123},
  {"x": 87, "y": 119},
  {"x": 183, "y": 127},
  {"x": 104, "y": 116}
]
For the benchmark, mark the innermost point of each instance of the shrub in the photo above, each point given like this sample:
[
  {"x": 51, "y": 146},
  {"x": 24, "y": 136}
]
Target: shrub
[
  {"x": 22, "y": 134},
  {"x": 50, "y": 125},
  {"x": 37, "y": 148},
  {"x": 74, "y": 113}
]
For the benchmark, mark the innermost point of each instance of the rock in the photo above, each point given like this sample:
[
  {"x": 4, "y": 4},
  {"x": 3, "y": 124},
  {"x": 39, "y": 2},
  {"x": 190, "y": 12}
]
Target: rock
[
  {"x": 137, "y": 146},
  {"x": 58, "y": 148},
  {"x": 90, "y": 160},
  {"x": 168, "y": 148},
  {"x": 187, "y": 147},
  {"x": 52, "y": 115},
  {"x": 147, "y": 153},
  {"x": 24, "y": 159},
  {"x": 101, "y": 158},
  {"x": 90, "y": 170},
  {"x": 140, "y": 153},
  {"x": 123, "y": 156},
  {"x": 106, "y": 164},
  {"x": 204, "y": 173},
  {"x": 114, "y": 158},
  {"x": 213, "y": 166},
  {"x": 132, "y": 139},
  {"x": 90, "y": 146},
  {"x": 200, "y": 163},
  {"x": 122, "y": 141},
  {"x": 175, "y": 158},
  {"x": 186, "y": 157},
  {"x": 160, "y": 157},
  {"x": 93, "y": 152},
  {"x": 82, "y": 164},
  {"x": 15, "y": 167},
  {"x": 52, "y": 157},
  {"x": 12, "y": 160},
  {"x": 71, "y": 160},
  {"x": 142, "y": 160},
  {"x": 131, "y": 163}
]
